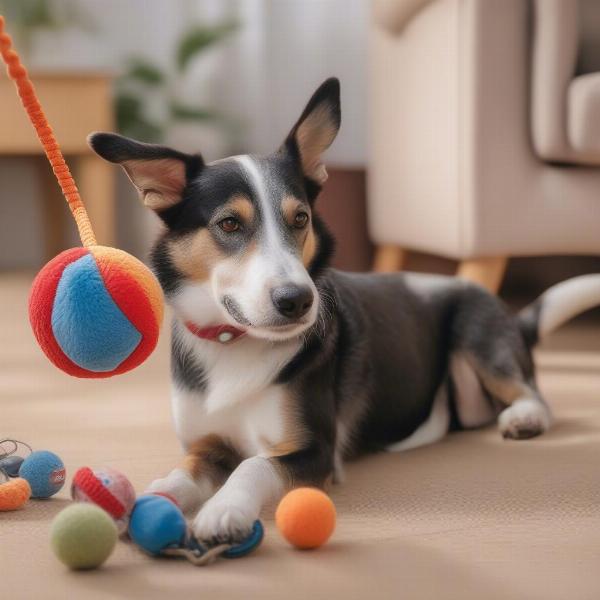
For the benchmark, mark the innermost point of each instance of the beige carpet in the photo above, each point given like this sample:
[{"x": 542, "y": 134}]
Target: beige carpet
[{"x": 471, "y": 517}]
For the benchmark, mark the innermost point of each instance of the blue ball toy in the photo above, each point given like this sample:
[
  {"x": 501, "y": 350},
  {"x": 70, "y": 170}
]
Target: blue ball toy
[
  {"x": 45, "y": 473},
  {"x": 156, "y": 523}
]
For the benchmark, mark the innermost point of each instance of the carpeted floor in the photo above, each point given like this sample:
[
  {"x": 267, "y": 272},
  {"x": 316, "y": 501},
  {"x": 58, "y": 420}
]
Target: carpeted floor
[{"x": 471, "y": 517}]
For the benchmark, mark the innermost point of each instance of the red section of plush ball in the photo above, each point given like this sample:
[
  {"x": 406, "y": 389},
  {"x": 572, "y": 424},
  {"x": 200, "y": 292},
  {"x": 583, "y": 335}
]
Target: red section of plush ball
[
  {"x": 97, "y": 492},
  {"x": 41, "y": 301}
]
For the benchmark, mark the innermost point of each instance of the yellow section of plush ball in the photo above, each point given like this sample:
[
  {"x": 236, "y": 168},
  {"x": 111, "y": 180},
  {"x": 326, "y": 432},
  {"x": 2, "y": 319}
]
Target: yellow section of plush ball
[{"x": 83, "y": 536}]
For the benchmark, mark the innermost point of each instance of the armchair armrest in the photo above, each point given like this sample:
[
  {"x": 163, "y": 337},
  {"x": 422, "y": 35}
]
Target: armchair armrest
[{"x": 554, "y": 57}]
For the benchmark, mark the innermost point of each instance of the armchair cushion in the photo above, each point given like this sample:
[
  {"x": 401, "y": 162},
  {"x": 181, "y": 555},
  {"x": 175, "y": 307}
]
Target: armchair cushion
[
  {"x": 394, "y": 15},
  {"x": 563, "y": 106}
]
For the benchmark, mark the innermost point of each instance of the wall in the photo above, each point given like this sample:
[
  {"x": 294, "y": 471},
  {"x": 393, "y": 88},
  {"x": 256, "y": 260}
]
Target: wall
[{"x": 263, "y": 78}]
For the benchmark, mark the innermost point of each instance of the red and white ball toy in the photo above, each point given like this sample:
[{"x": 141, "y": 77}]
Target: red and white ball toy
[{"x": 107, "y": 488}]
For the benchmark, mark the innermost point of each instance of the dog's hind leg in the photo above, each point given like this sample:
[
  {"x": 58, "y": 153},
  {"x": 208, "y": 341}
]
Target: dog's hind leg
[
  {"x": 487, "y": 337},
  {"x": 526, "y": 414}
]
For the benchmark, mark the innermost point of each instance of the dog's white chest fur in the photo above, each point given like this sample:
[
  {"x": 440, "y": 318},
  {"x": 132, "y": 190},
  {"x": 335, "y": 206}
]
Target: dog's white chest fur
[{"x": 240, "y": 401}]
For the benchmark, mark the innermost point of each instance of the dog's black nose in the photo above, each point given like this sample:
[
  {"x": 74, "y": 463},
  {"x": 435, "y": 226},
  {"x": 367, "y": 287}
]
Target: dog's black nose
[{"x": 292, "y": 301}]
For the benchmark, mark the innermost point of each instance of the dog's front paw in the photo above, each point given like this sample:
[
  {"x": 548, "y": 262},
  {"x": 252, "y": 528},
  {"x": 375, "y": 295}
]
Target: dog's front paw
[
  {"x": 224, "y": 520},
  {"x": 524, "y": 419},
  {"x": 179, "y": 485}
]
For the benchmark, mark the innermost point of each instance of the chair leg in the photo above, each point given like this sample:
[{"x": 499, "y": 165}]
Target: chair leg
[
  {"x": 388, "y": 258},
  {"x": 487, "y": 272}
]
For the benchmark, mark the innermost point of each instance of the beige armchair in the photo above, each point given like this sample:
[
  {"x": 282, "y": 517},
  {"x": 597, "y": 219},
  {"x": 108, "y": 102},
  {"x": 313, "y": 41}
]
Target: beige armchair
[{"x": 485, "y": 131}]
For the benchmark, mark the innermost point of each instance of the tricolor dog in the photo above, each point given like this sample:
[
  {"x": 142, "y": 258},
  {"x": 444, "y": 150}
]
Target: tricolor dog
[{"x": 282, "y": 367}]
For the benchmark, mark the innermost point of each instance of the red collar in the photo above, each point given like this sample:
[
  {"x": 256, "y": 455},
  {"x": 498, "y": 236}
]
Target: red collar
[{"x": 224, "y": 334}]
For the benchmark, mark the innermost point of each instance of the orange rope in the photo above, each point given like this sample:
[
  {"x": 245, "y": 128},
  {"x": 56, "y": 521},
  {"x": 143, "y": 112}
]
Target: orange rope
[{"x": 17, "y": 72}]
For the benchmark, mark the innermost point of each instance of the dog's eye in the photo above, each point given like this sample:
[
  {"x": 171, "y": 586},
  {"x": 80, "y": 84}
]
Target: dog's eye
[
  {"x": 300, "y": 220},
  {"x": 229, "y": 225}
]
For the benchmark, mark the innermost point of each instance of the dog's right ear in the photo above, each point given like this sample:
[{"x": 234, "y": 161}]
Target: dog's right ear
[
  {"x": 159, "y": 173},
  {"x": 316, "y": 129}
]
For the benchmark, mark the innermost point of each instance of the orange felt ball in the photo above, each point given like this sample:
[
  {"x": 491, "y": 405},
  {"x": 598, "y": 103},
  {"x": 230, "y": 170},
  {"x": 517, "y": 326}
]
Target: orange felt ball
[
  {"x": 305, "y": 517},
  {"x": 14, "y": 493}
]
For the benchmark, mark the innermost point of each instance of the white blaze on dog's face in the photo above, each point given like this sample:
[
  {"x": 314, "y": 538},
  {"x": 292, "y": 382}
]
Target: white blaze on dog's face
[
  {"x": 266, "y": 287},
  {"x": 242, "y": 244}
]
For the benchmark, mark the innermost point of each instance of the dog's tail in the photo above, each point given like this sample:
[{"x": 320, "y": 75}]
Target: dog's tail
[{"x": 557, "y": 305}]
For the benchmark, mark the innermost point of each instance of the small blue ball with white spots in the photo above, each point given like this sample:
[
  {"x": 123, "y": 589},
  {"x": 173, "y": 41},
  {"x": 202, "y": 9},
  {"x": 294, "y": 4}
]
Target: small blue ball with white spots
[{"x": 45, "y": 473}]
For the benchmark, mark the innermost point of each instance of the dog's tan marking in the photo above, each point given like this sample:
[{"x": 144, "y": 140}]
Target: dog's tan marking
[
  {"x": 159, "y": 181},
  {"x": 295, "y": 434},
  {"x": 213, "y": 457},
  {"x": 310, "y": 246},
  {"x": 506, "y": 389},
  {"x": 289, "y": 208},
  {"x": 242, "y": 207},
  {"x": 196, "y": 254}
]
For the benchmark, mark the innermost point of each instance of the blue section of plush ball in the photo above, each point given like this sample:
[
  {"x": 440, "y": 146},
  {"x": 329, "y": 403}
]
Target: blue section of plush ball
[
  {"x": 156, "y": 523},
  {"x": 45, "y": 473},
  {"x": 88, "y": 325}
]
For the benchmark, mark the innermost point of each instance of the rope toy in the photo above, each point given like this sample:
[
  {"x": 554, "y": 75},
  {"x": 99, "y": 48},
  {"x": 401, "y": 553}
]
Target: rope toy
[
  {"x": 95, "y": 311},
  {"x": 43, "y": 471},
  {"x": 40, "y": 474}
]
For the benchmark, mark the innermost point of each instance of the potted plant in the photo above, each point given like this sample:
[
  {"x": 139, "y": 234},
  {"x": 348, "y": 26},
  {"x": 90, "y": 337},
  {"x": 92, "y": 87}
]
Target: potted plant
[{"x": 151, "y": 105}]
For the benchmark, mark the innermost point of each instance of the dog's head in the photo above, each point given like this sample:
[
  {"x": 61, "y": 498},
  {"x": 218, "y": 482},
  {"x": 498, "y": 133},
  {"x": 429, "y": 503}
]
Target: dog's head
[{"x": 242, "y": 244}]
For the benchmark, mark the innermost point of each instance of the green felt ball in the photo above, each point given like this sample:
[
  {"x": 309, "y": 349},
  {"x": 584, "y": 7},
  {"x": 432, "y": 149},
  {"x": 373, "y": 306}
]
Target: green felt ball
[{"x": 83, "y": 536}]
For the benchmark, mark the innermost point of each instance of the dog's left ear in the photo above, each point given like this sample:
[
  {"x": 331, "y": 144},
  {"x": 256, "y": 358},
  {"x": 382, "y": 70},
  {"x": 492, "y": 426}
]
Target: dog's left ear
[
  {"x": 160, "y": 174},
  {"x": 316, "y": 129}
]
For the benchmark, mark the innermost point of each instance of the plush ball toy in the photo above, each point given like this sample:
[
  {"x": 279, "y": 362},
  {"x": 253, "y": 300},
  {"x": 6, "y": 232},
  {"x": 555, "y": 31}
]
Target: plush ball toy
[
  {"x": 14, "y": 493},
  {"x": 109, "y": 489},
  {"x": 96, "y": 311},
  {"x": 305, "y": 517},
  {"x": 45, "y": 473},
  {"x": 83, "y": 536},
  {"x": 157, "y": 523}
]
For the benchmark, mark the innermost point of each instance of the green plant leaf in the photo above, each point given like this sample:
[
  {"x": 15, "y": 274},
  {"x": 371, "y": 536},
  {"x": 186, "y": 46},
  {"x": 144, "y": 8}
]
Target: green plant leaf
[
  {"x": 127, "y": 108},
  {"x": 50, "y": 14},
  {"x": 189, "y": 113},
  {"x": 199, "y": 38},
  {"x": 145, "y": 72},
  {"x": 29, "y": 13},
  {"x": 131, "y": 120}
]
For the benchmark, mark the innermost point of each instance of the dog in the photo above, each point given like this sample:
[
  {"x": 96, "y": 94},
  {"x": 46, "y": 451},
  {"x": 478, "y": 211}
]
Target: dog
[{"x": 282, "y": 367}]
